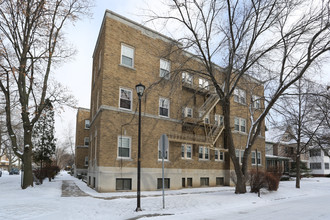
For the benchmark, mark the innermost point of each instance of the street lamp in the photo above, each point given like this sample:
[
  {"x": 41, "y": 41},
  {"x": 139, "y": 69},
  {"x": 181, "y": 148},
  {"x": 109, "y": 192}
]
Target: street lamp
[{"x": 139, "y": 90}]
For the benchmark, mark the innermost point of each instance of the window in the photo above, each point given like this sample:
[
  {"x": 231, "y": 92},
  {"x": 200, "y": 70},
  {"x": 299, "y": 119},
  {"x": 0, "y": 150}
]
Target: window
[
  {"x": 164, "y": 106},
  {"x": 186, "y": 151},
  {"x": 183, "y": 182},
  {"x": 160, "y": 153},
  {"x": 237, "y": 120},
  {"x": 218, "y": 120},
  {"x": 243, "y": 125},
  {"x": 204, "y": 181},
  {"x": 240, "y": 124},
  {"x": 187, "y": 78},
  {"x": 203, "y": 153},
  {"x": 315, "y": 166},
  {"x": 315, "y": 152},
  {"x": 124, "y": 147},
  {"x": 326, "y": 166},
  {"x": 187, "y": 112},
  {"x": 127, "y": 56},
  {"x": 125, "y": 99},
  {"x": 218, "y": 155},
  {"x": 239, "y": 155},
  {"x": 242, "y": 154},
  {"x": 160, "y": 183},
  {"x": 203, "y": 83},
  {"x": 256, "y": 102},
  {"x": 123, "y": 184},
  {"x": 259, "y": 158},
  {"x": 86, "y": 141},
  {"x": 87, "y": 124},
  {"x": 206, "y": 117},
  {"x": 189, "y": 182},
  {"x": 220, "y": 181},
  {"x": 239, "y": 96},
  {"x": 254, "y": 159},
  {"x": 86, "y": 161},
  {"x": 165, "y": 67}
]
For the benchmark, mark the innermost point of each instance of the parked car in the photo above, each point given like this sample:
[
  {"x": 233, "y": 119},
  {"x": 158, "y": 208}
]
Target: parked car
[{"x": 14, "y": 171}]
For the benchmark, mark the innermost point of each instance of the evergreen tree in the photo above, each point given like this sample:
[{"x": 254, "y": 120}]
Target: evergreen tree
[{"x": 43, "y": 138}]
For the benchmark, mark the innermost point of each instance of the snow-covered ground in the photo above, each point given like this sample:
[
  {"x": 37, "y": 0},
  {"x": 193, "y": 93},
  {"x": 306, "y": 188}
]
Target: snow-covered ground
[{"x": 312, "y": 201}]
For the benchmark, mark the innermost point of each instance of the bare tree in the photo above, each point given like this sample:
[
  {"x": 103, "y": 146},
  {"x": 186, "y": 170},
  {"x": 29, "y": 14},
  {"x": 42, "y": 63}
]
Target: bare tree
[
  {"x": 63, "y": 158},
  {"x": 321, "y": 115},
  {"x": 271, "y": 40},
  {"x": 297, "y": 111},
  {"x": 31, "y": 42}
]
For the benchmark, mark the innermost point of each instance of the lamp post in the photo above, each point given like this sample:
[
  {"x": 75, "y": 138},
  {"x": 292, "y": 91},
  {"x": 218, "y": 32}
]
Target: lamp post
[{"x": 139, "y": 90}]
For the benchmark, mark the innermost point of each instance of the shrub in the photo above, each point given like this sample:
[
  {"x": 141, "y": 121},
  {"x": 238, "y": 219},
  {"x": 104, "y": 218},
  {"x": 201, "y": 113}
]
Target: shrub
[
  {"x": 48, "y": 171},
  {"x": 272, "y": 181},
  {"x": 257, "y": 180},
  {"x": 261, "y": 179}
]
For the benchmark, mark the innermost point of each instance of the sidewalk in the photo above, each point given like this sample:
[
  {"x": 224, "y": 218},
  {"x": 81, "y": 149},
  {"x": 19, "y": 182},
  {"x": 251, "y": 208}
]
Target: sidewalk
[{"x": 70, "y": 189}]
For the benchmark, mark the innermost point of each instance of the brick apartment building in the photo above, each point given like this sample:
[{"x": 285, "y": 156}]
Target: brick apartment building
[
  {"x": 181, "y": 104},
  {"x": 82, "y": 141}
]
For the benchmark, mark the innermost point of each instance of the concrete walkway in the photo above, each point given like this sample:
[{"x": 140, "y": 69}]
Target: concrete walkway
[{"x": 70, "y": 189}]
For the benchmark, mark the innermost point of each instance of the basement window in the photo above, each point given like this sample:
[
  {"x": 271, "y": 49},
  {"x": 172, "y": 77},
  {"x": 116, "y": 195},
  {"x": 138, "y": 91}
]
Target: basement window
[{"x": 123, "y": 184}]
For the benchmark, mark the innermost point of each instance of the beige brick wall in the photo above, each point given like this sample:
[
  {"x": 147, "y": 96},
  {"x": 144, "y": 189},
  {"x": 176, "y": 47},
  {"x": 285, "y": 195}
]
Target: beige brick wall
[
  {"x": 81, "y": 151},
  {"x": 109, "y": 122}
]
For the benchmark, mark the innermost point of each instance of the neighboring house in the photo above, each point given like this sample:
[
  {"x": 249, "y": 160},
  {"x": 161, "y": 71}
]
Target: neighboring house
[
  {"x": 182, "y": 105},
  {"x": 82, "y": 142},
  {"x": 281, "y": 150},
  {"x": 4, "y": 163},
  {"x": 319, "y": 162}
]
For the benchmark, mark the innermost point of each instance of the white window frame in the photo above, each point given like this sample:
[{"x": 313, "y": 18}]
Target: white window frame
[
  {"x": 219, "y": 153},
  {"x": 186, "y": 111},
  {"x": 164, "y": 65},
  {"x": 120, "y": 146},
  {"x": 166, "y": 158},
  {"x": 184, "y": 150},
  {"x": 218, "y": 120},
  {"x": 204, "y": 151},
  {"x": 187, "y": 78},
  {"x": 239, "y": 153},
  {"x": 168, "y": 108},
  {"x": 131, "y": 98},
  {"x": 86, "y": 139},
  {"x": 87, "y": 124},
  {"x": 125, "y": 51},
  {"x": 259, "y": 158},
  {"x": 256, "y": 102},
  {"x": 253, "y": 158},
  {"x": 240, "y": 121},
  {"x": 203, "y": 83},
  {"x": 206, "y": 118},
  {"x": 239, "y": 96}
]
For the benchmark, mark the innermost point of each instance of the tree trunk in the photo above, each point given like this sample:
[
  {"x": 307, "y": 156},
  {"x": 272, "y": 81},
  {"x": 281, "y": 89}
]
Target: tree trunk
[
  {"x": 240, "y": 178},
  {"x": 27, "y": 161},
  {"x": 298, "y": 171}
]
